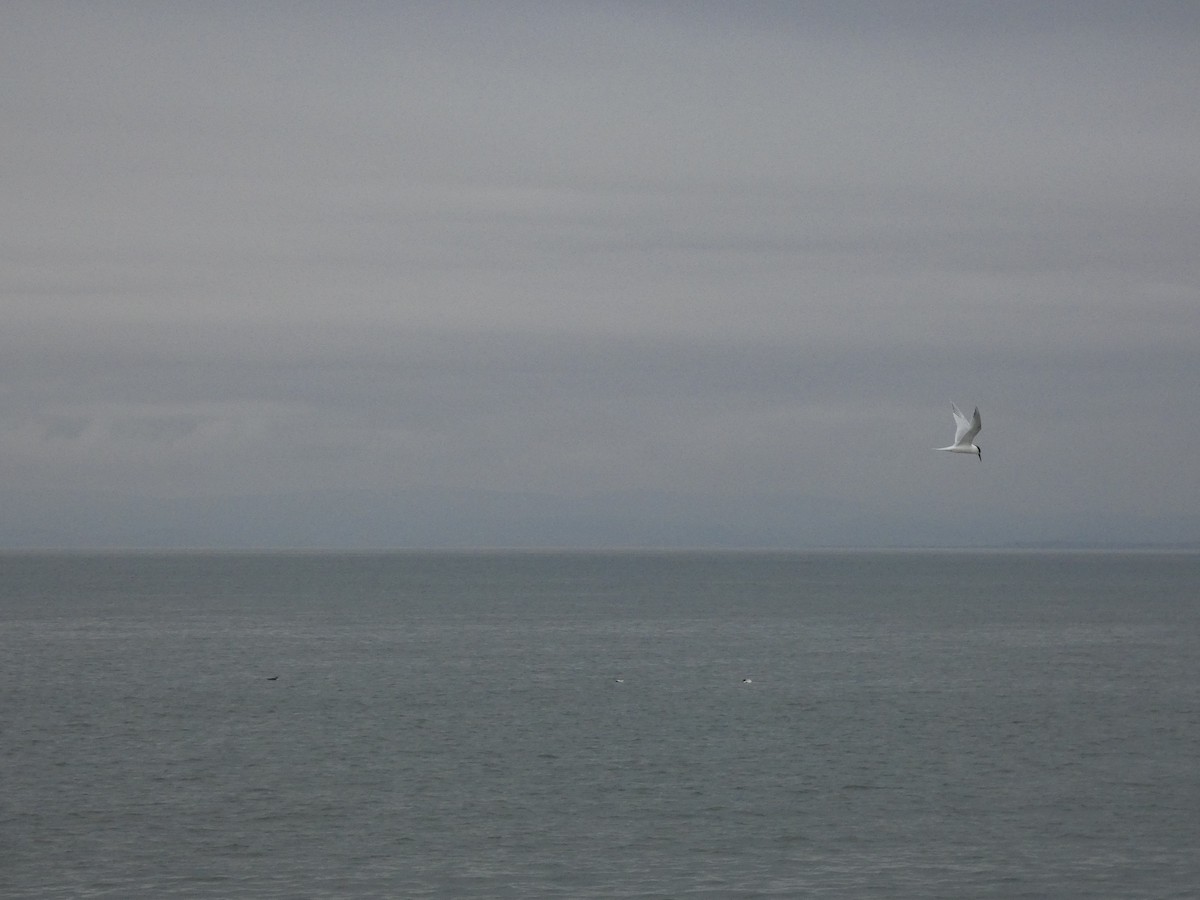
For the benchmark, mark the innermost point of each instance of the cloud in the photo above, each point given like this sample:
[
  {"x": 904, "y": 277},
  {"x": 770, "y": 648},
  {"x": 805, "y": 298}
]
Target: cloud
[{"x": 587, "y": 252}]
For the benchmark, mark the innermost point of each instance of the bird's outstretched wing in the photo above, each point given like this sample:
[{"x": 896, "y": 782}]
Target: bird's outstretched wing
[
  {"x": 961, "y": 425},
  {"x": 976, "y": 424},
  {"x": 965, "y": 429}
]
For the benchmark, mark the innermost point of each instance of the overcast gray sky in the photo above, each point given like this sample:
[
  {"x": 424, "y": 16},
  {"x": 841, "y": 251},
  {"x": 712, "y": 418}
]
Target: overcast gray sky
[{"x": 598, "y": 274}]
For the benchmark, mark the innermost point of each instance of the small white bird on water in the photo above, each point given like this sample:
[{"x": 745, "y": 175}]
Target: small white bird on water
[{"x": 964, "y": 433}]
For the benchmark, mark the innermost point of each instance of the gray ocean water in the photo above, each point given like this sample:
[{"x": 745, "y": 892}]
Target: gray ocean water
[{"x": 528, "y": 725}]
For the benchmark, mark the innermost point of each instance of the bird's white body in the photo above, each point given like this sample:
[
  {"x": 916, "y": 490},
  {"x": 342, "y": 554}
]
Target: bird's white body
[{"x": 964, "y": 433}]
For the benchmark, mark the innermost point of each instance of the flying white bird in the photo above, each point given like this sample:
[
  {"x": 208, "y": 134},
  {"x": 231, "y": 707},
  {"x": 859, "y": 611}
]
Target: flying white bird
[{"x": 964, "y": 433}]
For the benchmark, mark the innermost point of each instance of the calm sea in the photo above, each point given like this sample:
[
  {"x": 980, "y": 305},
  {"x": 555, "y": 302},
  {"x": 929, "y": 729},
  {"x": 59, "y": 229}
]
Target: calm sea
[{"x": 524, "y": 725}]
